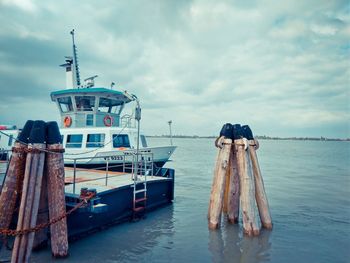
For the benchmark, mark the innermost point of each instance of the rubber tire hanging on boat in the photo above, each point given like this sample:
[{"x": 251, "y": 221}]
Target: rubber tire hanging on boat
[{"x": 108, "y": 120}]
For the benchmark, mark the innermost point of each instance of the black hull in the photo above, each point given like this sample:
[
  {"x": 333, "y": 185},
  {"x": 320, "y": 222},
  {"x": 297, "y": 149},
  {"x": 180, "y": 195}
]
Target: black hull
[
  {"x": 3, "y": 156},
  {"x": 119, "y": 202}
]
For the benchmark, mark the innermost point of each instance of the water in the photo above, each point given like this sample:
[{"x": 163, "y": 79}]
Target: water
[{"x": 308, "y": 187}]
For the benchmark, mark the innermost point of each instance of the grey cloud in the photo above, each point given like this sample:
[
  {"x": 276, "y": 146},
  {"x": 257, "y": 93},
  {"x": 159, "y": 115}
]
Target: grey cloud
[{"x": 192, "y": 61}]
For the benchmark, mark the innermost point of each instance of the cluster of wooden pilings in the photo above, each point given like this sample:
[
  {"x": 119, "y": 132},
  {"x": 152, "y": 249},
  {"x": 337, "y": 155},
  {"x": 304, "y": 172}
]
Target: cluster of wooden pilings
[
  {"x": 238, "y": 187},
  {"x": 34, "y": 186}
]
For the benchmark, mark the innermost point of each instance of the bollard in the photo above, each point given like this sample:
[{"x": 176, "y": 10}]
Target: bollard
[
  {"x": 55, "y": 186},
  {"x": 31, "y": 193},
  {"x": 14, "y": 177}
]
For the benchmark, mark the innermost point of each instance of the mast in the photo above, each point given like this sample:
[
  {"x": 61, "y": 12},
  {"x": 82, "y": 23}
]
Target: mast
[
  {"x": 75, "y": 61},
  {"x": 171, "y": 135}
]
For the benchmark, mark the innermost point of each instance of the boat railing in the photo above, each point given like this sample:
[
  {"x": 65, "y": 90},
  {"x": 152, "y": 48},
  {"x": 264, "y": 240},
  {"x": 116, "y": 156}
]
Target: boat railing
[
  {"x": 135, "y": 164},
  {"x": 131, "y": 162},
  {"x": 4, "y": 158},
  {"x": 4, "y": 162}
]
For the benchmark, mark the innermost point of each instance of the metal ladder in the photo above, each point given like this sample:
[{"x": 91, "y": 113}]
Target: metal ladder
[{"x": 142, "y": 167}]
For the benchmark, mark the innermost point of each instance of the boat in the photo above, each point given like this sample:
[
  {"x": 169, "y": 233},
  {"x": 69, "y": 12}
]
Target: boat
[
  {"x": 94, "y": 126},
  {"x": 105, "y": 153}
]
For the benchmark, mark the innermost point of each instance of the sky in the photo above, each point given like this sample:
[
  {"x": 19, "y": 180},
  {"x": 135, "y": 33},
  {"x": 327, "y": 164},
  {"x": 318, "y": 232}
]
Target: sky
[{"x": 282, "y": 67}]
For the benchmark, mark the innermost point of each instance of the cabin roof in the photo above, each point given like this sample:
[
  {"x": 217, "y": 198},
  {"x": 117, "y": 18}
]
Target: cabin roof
[{"x": 92, "y": 92}]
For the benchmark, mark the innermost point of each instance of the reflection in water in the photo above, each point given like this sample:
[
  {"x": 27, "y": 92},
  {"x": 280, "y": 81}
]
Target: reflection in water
[
  {"x": 124, "y": 242},
  {"x": 228, "y": 245}
]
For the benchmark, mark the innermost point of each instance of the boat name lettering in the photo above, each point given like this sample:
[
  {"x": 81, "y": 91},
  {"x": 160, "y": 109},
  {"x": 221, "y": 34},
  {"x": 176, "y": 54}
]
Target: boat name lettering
[{"x": 114, "y": 158}]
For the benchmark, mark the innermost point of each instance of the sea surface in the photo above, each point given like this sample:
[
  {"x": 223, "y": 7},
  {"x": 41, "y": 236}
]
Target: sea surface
[{"x": 308, "y": 188}]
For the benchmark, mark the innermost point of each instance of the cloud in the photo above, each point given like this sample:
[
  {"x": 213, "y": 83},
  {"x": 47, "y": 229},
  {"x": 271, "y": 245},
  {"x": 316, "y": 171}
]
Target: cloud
[
  {"x": 201, "y": 63},
  {"x": 25, "y": 5}
]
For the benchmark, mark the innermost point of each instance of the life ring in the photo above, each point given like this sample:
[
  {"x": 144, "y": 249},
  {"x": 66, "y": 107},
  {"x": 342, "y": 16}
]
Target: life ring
[
  {"x": 67, "y": 121},
  {"x": 108, "y": 120},
  {"x": 121, "y": 149}
]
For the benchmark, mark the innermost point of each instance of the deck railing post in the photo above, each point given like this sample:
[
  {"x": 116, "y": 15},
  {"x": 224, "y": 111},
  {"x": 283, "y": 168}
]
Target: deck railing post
[
  {"x": 107, "y": 166},
  {"x": 152, "y": 163},
  {"x": 124, "y": 163},
  {"x": 74, "y": 174}
]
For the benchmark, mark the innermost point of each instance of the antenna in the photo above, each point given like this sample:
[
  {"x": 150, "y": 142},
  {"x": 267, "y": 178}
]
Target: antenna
[
  {"x": 90, "y": 82},
  {"x": 75, "y": 60}
]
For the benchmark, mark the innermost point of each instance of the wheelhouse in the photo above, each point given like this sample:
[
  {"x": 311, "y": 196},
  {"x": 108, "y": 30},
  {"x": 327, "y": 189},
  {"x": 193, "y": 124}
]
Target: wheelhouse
[{"x": 90, "y": 107}]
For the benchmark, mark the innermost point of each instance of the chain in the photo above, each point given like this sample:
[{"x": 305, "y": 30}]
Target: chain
[{"x": 11, "y": 232}]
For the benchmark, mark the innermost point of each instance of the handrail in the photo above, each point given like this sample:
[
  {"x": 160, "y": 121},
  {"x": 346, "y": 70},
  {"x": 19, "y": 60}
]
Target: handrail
[
  {"x": 3, "y": 151},
  {"x": 144, "y": 166}
]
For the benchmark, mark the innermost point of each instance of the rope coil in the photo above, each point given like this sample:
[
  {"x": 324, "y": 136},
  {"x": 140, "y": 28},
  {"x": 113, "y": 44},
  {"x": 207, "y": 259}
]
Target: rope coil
[{"x": 219, "y": 143}]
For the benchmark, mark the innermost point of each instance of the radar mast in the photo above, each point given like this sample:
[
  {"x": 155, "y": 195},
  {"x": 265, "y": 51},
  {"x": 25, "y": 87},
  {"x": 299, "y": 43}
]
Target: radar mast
[{"x": 75, "y": 62}]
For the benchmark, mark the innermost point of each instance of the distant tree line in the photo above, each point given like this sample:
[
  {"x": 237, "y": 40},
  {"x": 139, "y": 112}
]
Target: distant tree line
[{"x": 260, "y": 137}]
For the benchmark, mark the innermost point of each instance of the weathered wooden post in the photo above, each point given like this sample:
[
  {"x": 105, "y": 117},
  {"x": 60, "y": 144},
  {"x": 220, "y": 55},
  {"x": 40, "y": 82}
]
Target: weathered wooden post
[
  {"x": 31, "y": 192},
  {"x": 218, "y": 186},
  {"x": 41, "y": 236},
  {"x": 227, "y": 186},
  {"x": 247, "y": 187},
  {"x": 55, "y": 186},
  {"x": 260, "y": 194},
  {"x": 238, "y": 182},
  {"x": 14, "y": 177},
  {"x": 233, "y": 191}
]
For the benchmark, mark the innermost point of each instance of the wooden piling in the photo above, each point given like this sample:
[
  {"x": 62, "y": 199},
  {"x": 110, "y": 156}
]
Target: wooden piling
[
  {"x": 228, "y": 186},
  {"x": 218, "y": 142},
  {"x": 233, "y": 192},
  {"x": 41, "y": 236},
  {"x": 56, "y": 196},
  {"x": 247, "y": 189},
  {"x": 28, "y": 211},
  {"x": 14, "y": 177},
  {"x": 218, "y": 186},
  {"x": 260, "y": 194}
]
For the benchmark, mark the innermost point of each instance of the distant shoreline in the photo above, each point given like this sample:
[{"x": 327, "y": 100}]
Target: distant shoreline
[{"x": 257, "y": 137}]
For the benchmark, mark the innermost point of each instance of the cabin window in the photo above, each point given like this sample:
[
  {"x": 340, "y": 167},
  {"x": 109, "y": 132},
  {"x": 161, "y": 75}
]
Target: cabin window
[
  {"x": 65, "y": 104},
  {"x": 10, "y": 140},
  {"x": 95, "y": 140},
  {"x": 85, "y": 103},
  {"x": 74, "y": 141},
  {"x": 121, "y": 140},
  {"x": 143, "y": 141},
  {"x": 89, "y": 119},
  {"x": 110, "y": 105},
  {"x": 62, "y": 139}
]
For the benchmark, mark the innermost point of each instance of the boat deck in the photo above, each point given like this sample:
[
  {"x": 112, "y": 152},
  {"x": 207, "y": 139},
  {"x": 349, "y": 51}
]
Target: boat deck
[{"x": 98, "y": 180}]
